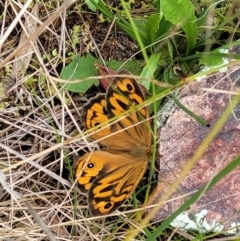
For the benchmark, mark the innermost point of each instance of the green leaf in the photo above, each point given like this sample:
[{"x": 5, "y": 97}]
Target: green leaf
[
  {"x": 148, "y": 73},
  {"x": 83, "y": 67},
  {"x": 80, "y": 68},
  {"x": 135, "y": 67},
  {"x": 152, "y": 26},
  {"x": 181, "y": 13},
  {"x": 212, "y": 60},
  {"x": 164, "y": 28},
  {"x": 140, "y": 24},
  {"x": 90, "y": 5}
]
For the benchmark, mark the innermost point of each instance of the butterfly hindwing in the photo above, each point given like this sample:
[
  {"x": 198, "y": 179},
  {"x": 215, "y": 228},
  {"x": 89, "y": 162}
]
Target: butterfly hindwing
[
  {"x": 88, "y": 168},
  {"x": 111, "y": 190},
  {"x": 109, "y": 179}
]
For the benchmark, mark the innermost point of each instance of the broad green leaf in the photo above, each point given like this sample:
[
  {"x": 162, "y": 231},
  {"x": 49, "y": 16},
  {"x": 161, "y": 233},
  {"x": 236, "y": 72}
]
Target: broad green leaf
[
  {"x": 83, "y": 67},
  {"x": 80, "y": 68},
  {"x": 134, "y": 66},
  {"x": 140, "y": 24},
  {"x": 181, "y": 13},
  {"x": 152, "y": 26},
  {"x": 164, "y": 28}
]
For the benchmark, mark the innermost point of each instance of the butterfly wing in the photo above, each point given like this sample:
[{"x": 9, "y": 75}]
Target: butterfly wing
[
  {"x": 109, "y": 179},
  {"x": 122, "y": 95},
  {"x": 94, "y": 114},
  {"x": 125, "y": 94}
]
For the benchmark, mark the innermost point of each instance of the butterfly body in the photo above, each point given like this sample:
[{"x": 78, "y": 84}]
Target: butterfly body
[{"x": 109, "y": 177}]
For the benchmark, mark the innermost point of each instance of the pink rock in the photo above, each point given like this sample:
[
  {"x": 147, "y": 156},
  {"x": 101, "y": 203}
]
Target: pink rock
[{"x": 181, "y": 136}]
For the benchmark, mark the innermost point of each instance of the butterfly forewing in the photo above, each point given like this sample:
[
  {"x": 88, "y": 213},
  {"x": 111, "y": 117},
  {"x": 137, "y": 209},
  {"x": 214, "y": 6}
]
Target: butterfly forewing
[
  {"x": 95, "y": 115},
  {"x": 124, "y": 95}
]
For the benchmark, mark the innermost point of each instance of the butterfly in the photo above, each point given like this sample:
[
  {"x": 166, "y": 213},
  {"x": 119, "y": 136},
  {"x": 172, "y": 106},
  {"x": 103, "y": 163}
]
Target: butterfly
[{"x": 110, "y": 176}]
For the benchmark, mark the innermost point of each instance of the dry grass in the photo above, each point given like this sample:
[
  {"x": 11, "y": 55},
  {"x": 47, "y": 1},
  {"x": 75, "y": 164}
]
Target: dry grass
[
  {"x": 40, "y": 128},
  {"x": 38, "y": 120}
]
